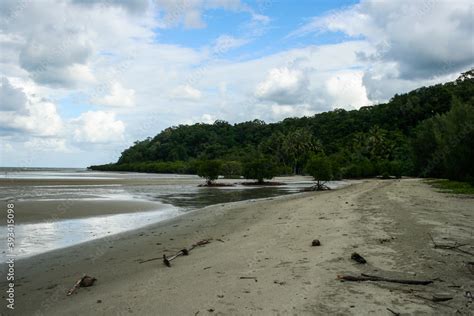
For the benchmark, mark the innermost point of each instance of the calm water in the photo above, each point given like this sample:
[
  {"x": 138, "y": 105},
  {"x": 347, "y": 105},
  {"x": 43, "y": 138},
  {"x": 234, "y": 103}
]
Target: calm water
[{"x": 175, "y": 195}]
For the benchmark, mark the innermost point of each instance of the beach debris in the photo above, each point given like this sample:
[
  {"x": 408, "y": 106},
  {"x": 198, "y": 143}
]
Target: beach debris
[
  {"x": 367, "y": 277},
  {"x": 456, "y": 246},
  {"x": 393, "y": 312},
  {"x": 84, "y": 281},
  {"x": 151, "y": 259},
  {"x": 183, "y": 252},
  {"x": 441, "y": 297},
  {"x": 469, "y": 297},
  {"x": 358, "y": 258},
  {"x": 435, "y": 298},
  {"x": 315, "y": 243},
  {"x": 248, "y": 278}
]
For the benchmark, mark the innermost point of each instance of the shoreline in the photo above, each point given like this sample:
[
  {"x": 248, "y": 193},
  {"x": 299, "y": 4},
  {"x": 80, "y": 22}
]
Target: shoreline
[
  {"x": 270, "y": 240},
  {"x": 160, "y": 224},
  {"x": 38, "y": 211}
]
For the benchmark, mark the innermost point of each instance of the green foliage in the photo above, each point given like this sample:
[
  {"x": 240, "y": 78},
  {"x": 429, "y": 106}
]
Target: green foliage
[
  {"x": 320, "y": 168},
  {"x": 444, "y": 144},
  {"x": 259, "y": 169},
  {"x": 297, "y": 146},
  {"x": 209, "y": 169},
  {"x": 179, "y": 167},
  {"x": 231, "y": 169},
  {"x": 455, "y": 187}
]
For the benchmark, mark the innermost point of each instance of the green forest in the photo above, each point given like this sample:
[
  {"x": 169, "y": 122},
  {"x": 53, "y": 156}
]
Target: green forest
[{"x": 428, "y": 132}]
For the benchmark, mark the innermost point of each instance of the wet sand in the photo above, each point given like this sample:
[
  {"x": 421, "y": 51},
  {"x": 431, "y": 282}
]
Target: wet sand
[
  {"x": 51, "y": 210},
  {"x": 269, "y": 242}
]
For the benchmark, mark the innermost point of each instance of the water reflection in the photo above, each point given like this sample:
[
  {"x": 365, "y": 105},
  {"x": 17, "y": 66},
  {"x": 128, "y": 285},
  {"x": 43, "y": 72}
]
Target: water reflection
[{"x": 35, "y": 238}]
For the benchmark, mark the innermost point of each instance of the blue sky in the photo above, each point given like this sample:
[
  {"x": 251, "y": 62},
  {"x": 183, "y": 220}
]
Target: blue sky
[
  {"x": 285, "y": 16},
  {"x": 82, "y": 80}
]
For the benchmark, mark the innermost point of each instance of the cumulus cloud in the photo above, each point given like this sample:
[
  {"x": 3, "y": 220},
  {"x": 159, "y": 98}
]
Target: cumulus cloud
[
  {"x": 208, "y": 119},
  {"x": 346, "y": 90},
  {"x": 27, "y": 113},
  {"x": 424, "y": 39},
  {"x": 189, "y": 13},
  {"x": 118, "y": 96},
  {"x": 57, "y": 57},
  {"x": 98, "y": 127},
  {"x": 280, "y": 112},
  {"x": 283, "y": 86},
  {"x": 11, "y": 98},
  {"x": 132, "y": 6}
]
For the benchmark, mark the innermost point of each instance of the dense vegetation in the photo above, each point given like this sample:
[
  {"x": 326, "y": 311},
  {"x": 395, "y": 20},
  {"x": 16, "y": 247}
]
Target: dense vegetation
[
  {"x": 426, "y": 132},
  {"x": 450, "y": 186}
]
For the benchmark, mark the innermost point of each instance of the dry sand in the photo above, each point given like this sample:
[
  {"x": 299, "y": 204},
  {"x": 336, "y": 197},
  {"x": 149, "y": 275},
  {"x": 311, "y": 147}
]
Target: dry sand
[{"x": 387, "y": 221}]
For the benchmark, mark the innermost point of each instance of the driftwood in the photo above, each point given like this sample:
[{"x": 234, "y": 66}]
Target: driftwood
[
  {"x": 393, "y": 312},
  {"x": 84, "y": 281},
  {"x": 248, "y": 278},
  {"x": 435, "y": 298},
  {"x": 366, "y": 277},
  {"x": 456, "y": 246},
  {"x": 182, "y": 252},
  {"x": 151, "y": 259}
]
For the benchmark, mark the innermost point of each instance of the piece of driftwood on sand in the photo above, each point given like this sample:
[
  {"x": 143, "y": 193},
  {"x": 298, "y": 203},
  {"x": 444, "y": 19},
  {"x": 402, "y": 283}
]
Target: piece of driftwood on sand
[
  {"x": 456, "y": 246},
  {"x": 182, "y": 252},
  {"x": 366, "y": 277}
]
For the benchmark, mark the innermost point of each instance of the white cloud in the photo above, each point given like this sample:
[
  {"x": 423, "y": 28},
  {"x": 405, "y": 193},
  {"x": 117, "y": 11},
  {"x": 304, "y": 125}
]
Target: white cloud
[
  {"x": 118, "y": 96},
  {"x": 280, "y": 112},
  {"x": 5, "y": 147},
  {"x": 98, "y": 127},
  {"x": 186, "y": 92},
  {"x": 347, "y": 91},
  {"x": 57, "y": 57},
  {"x": 190, "y": 13},
  {"x": 26, "y": 112},
  {"x": 208, "y": 119},
  {"x": 47, "y": 145},
  {"x": 425, "y": 39},
  {"x": 226, "y": 42},
  {"x": 11, "y": 98},
  {"x": 283, "y": 86}
]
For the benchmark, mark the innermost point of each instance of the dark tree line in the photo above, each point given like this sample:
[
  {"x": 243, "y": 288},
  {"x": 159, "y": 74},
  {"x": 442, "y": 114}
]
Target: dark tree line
[{"x": 426, "y": 132}]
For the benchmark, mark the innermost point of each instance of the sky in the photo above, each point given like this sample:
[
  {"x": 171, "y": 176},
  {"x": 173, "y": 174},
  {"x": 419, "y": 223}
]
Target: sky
[{"x": 81, "y": 80}]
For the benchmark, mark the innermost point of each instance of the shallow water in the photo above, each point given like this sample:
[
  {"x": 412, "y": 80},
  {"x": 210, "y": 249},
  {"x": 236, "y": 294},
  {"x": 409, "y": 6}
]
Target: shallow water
[{"x": 172, "y": 199}]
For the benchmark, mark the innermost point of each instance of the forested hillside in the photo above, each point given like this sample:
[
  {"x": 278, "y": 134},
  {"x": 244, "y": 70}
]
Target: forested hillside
[{"x": 426, "y": 132}]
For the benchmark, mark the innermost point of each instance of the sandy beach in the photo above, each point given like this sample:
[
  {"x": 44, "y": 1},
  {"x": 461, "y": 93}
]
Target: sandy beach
[{"x": 260, "y": 260}]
